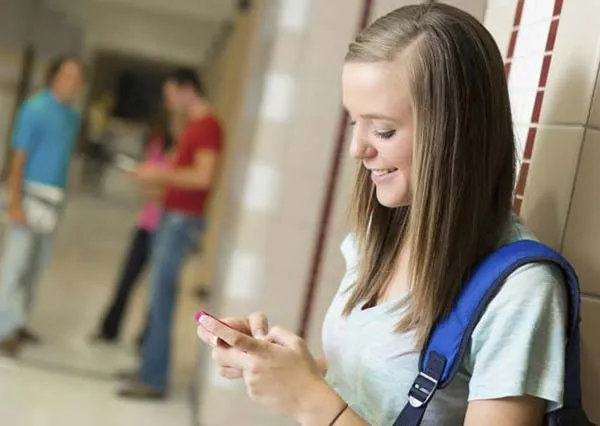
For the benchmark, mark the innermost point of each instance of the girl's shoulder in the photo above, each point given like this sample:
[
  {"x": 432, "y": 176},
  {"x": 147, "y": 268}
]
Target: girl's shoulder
[
  {"x": 349, "y": 249},
  {"x": 517, "y": 348}
]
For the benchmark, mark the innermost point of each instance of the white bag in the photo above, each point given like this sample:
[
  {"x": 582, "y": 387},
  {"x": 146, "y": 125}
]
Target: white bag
[{"x": 42, "y": 205}]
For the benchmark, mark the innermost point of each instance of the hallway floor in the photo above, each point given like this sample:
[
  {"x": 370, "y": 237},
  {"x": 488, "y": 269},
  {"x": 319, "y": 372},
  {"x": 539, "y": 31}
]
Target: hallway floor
[
  {"x": 69, "y": 380},
  {"x": 41, "y": 397}
]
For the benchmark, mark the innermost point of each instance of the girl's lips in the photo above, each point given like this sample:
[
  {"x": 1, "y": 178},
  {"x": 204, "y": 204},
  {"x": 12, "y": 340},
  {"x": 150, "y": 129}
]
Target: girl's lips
[{"x": 382, "y": 178}]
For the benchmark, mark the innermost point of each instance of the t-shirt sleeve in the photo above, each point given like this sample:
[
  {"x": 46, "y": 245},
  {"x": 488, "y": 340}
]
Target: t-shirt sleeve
[
  {"x": 26, "y": 128},
  {"x": 349, "y": 249},
  {"x": 518, "y": 347},
  {"x": 207, "y": 135}
]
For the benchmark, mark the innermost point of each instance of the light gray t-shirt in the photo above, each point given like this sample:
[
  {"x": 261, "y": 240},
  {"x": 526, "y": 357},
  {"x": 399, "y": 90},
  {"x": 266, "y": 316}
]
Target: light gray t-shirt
[{"x": 516, "y": 349}]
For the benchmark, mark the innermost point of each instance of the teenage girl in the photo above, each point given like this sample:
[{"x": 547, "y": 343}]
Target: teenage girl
[{"x": 433, "y": 136}]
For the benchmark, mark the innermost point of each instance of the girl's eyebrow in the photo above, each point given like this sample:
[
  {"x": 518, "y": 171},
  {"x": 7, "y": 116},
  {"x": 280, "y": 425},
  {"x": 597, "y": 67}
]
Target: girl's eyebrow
[{"x": 377, "y": 117}]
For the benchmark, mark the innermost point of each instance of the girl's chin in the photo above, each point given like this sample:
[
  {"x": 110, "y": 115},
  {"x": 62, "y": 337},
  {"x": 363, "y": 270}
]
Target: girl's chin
[{"x": 393, "y": 201}]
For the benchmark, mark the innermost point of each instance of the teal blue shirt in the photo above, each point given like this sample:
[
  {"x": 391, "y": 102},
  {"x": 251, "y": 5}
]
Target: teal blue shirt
[{"x": 45, "y": 131}]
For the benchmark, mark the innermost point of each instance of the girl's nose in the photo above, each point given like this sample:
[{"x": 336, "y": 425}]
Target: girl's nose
[{"x": 360, "y": 148}]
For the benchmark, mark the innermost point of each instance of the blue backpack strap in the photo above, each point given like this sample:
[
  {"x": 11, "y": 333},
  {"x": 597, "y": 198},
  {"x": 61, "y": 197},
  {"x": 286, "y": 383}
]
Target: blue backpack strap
[{"x": 450, "y": 339}]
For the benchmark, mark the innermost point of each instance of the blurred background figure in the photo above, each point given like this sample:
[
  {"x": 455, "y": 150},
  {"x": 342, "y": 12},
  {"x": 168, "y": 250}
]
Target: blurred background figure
[
  {"x": 162, "y": 137},
  {"x": 43, "y": 141},
  {"x": 184, "y": 188},
  {"x": 100, "y": 138}
]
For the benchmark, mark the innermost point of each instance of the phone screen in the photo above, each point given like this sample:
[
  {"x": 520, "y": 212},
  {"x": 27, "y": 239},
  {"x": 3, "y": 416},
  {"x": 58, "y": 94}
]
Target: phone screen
[
  {"x": 204, "y": 313},
  {"x": 125, "y": 163}
]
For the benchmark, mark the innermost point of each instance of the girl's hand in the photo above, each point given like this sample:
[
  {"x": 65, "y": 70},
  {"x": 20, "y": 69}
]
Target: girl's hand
[
  {"x": 256, "y": 325},
  {"x": 279, "y": 372},
  {"x": 152, "y": 194},
  {"x": 149, "y": 175}
]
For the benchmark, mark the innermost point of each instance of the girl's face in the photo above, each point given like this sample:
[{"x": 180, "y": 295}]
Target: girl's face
[{"x": 377, "y": 98}]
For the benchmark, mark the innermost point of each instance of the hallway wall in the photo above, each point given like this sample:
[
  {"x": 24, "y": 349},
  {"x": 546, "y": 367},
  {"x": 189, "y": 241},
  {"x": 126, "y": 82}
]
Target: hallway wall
[
  {"x": 292, "y": 144},
  {"x": 552, "y": 56},
  {"x": 229, "y": 78}
]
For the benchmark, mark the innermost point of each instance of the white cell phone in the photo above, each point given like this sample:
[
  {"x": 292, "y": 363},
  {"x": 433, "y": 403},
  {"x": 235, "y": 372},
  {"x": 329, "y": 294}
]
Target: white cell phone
[{"x": 125, "y": 163}]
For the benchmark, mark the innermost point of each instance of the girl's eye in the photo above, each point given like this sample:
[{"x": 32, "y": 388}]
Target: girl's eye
[{"x": 386, "y": 134}]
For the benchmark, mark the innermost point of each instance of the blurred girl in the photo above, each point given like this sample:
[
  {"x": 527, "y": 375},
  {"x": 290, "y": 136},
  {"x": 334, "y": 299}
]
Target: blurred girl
[{"x": 160, "y": 142}]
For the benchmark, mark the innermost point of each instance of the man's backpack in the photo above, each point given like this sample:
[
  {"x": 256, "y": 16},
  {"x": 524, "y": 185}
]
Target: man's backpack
[{"x": 450, "y": 339}]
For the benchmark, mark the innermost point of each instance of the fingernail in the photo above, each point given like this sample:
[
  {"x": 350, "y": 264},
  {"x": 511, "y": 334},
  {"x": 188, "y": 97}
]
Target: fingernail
[
  {"x": 214, "y": 340},
  {"x": 206, "y": 321},
  {"x": 260, "y": 334}
]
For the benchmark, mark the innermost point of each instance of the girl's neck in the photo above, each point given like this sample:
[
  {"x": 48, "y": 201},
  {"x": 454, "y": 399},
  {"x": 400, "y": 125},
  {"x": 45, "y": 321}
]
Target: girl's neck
[
  {"x": 399, "y": 284},
  {"x": 198, "y": 110}
]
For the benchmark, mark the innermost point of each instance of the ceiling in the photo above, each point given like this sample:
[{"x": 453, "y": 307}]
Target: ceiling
[
  {"x": 179, "y": 30},
  {"x": 206, "y": 10}
]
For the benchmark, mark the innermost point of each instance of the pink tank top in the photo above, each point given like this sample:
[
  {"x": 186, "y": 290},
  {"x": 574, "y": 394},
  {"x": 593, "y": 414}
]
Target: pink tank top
[{"x": 150, "y": 214}]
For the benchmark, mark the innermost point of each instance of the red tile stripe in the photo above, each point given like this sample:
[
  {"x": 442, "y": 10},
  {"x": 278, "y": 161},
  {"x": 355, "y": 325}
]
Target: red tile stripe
[
  {"x": 332, "y": 180},
  {"x": 552, "y": 35},
  {"x": 545, "y": 70},
  {"x": 517, "y": 204},
  {"x": 519, "y": 13},
  {"x": 529, "y": 143},
  {"x": 512, "y": 43},
  {"x": 539, "y": 100},
  {"x": 507, "y": 66},
  {"x": 558, "y": 4},
  {"x": 537, "y": 106},
  {"x": 522, "y": 179}
]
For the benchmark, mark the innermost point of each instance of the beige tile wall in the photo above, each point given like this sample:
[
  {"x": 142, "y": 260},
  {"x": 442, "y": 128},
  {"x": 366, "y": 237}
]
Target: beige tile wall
[
  {"x": 550, "y": 179},
  {"x": 581, "y": 245},
  {"x": 292, "y": 144},
  {"x": 582, "y": 239},
  {"x": 227, "y": 79}
]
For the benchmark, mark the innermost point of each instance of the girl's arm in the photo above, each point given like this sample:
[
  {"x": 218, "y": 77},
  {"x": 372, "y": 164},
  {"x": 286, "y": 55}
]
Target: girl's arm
[
  {"x": 327, "y": 408},
  {"x": 518, "y": 411},
  {"x": 322, "y": 363}
]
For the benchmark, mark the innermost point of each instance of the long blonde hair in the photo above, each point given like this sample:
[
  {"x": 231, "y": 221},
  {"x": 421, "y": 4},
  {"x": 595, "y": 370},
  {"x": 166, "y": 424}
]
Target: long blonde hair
[{"x": 463, "y": 161}]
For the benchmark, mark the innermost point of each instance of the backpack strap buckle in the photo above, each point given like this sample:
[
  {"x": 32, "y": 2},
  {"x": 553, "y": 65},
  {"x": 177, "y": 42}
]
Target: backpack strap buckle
[
  {"x": 422, "y": 390},
  {"x": 424, "y": 387}
]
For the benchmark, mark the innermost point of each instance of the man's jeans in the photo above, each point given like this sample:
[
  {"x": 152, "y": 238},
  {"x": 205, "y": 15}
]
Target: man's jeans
[
  {"x": 25, "y": 254},
  {"x": 175, "y": 239}
]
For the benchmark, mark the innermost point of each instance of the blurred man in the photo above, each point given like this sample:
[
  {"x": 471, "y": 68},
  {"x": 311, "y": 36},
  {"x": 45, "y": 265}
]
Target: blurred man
[
  {"x": 186, "y": 184},
  {"x": 43, "y": 140}
]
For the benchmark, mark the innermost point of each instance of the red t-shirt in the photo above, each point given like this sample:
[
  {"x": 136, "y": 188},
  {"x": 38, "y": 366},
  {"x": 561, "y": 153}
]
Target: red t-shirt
[{"x": 201, "y": 134}]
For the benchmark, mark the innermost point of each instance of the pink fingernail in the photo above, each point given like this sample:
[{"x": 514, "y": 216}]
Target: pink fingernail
[{"x": 206, "y": 321}]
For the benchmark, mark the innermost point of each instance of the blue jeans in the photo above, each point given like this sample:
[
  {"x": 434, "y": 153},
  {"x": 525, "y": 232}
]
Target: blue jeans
[
  {"x": 175, "y": 239},
  {"x": 25, "y": 254}
]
